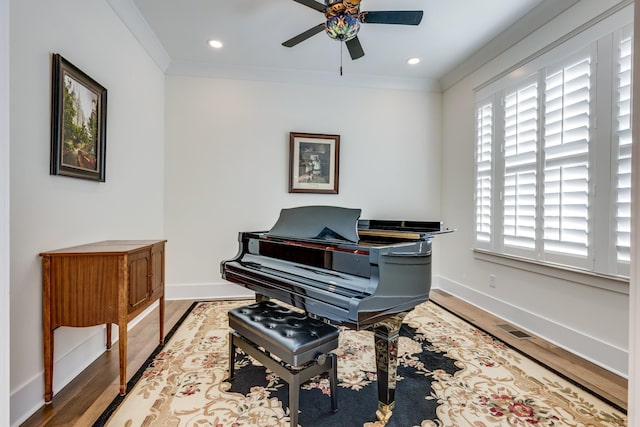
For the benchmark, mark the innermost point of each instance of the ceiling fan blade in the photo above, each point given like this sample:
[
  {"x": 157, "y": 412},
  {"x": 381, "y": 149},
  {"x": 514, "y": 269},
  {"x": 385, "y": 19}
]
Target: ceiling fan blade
[
  {"x": 355, "y": 48},
  {"x": 303, "y": 36},
  {"x": 320, "y": 7},
  {"x": 402, "y": 17}
]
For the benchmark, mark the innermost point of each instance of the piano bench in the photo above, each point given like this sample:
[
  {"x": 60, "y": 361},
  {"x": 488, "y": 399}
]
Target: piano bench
[{"x": 292, "y": 345}]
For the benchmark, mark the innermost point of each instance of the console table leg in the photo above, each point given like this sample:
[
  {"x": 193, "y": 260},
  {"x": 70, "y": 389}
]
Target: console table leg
[
  {"x": 122, "y": 341},
  {"x": 161, "y": 314},
  {"x": 109, "y": 336},
  {"x": 48, "y": 366},
  {"x": 47, "y": 331}
]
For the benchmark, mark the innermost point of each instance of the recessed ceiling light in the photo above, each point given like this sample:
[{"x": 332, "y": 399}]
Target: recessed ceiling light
[
  {"x": 216, "y": 44},
  {"x": 413, "y": 61}
]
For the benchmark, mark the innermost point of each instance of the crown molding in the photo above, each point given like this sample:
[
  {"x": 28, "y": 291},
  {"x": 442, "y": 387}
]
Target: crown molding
[
  {"x": 533, "y": 20},
  {"x": 138, "y": 26},
  {"x": 290, "y": 76}
]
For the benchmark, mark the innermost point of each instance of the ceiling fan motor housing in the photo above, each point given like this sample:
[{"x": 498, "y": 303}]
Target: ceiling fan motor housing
[{"x": 342, "y": 19}]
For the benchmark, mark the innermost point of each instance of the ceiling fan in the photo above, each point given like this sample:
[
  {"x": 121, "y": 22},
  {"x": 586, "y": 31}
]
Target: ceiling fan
[{"x": 343, "y": 19}]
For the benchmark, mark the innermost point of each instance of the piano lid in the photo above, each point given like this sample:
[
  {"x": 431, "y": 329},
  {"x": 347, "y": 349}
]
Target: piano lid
[{"x": 317, "y": 222}]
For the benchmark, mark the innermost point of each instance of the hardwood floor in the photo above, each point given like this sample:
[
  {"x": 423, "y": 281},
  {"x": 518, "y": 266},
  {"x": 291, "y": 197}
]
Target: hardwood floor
[
  {"x": 82, "y": 401},
  {"x": 589, "y": 376}
]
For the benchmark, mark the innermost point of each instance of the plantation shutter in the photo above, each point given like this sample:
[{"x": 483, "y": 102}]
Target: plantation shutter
[
  {"x": 553, "y": 154},
  {"x": 622, "y": 139},
  {"x": 484, "y": 141},
  {"x": 566, "y": 158},
  {"x": 520, "y": 152}
]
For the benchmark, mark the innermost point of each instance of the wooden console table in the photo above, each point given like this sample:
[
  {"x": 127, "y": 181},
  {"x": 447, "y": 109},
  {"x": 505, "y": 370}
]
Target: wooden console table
[{"x": 100, "y": 283}]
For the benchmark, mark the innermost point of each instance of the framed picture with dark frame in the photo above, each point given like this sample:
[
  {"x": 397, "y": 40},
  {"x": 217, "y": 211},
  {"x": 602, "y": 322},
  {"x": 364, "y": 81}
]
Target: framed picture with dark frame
[
  {"x": 78, "y": 123},
  {"x": 314, "y": 161}
]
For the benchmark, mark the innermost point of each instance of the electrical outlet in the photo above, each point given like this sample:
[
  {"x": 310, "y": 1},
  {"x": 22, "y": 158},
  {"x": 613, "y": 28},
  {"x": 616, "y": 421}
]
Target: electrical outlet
[{"x": 492, "y": 281}]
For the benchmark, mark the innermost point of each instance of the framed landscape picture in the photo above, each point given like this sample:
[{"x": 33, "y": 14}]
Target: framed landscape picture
[
  {"x": 314, "y": 163},
  {"x": 78, "y": 123}
]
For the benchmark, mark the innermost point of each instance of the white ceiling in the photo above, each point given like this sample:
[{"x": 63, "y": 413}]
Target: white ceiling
[{"x": 253, "y": 31}]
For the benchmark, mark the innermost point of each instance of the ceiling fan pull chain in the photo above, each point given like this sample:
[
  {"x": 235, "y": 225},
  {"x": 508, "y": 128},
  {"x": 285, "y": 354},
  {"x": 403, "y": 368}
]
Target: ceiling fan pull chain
[{"x": 341, "y": 45}]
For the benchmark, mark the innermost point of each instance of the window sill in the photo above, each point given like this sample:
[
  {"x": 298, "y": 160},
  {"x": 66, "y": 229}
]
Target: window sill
[{"x": 611, "y": 283}]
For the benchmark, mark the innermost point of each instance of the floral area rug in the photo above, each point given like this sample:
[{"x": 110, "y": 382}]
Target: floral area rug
[{"x": 449, "y": 374}]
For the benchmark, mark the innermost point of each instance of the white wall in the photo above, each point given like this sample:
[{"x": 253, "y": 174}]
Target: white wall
[
  {"x": 227, "y": 162},
  {"x": 50, "y": 212},
  {"x": 590, "y": 321},
  {"x": 4, "y": 213}
]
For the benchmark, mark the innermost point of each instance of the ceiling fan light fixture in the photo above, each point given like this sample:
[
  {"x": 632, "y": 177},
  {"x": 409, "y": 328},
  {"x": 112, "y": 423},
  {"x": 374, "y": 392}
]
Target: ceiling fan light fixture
[
  {"x": 342, "y": 27},
  {"x": 413, "y": 61},
  {"x": 216, "y": 44},
  {"x": 343, "y": 19}
]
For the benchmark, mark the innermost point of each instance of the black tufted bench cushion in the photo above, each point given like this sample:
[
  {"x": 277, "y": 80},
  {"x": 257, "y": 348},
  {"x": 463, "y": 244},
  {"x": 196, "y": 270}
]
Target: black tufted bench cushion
[
  {"x": 301, "y": 344},
  {"x": 294, "y": 337}
]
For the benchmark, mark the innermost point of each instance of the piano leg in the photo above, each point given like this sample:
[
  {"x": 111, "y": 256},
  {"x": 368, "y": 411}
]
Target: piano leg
[
  {"x": 260, "y": 297},
  {"x": 386, "y": 335}
]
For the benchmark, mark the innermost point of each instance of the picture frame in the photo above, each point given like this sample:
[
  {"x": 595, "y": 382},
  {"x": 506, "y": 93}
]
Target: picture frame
[
  {"x": 314, "y": 161},
  {"x": 78, "y": 122}
]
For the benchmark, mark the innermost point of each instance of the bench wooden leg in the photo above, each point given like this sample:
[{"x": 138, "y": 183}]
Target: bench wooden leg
[
  {"x": 294, "y": 400},
  {"x": 232, "y": 356},
  {"x": 333, "y": 378}
]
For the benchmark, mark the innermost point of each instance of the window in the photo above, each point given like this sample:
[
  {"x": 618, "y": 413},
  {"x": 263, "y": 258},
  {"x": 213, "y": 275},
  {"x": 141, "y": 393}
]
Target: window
[
  {"x": 622, "y": 141},
  {"x": 484, "y": 137},
  {"x": 520, "y": 154},
  {"x": 553, "y": 173},
  {"x": 566, "y": 140}
]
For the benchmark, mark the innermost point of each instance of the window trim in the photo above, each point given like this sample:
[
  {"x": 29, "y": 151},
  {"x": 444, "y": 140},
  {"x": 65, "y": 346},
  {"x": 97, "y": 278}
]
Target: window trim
[{"x": 613, "y": 283}]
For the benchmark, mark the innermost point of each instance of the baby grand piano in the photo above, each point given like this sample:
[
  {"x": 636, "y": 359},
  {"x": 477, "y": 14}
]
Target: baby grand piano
[{"x": 363, "y": 274}]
